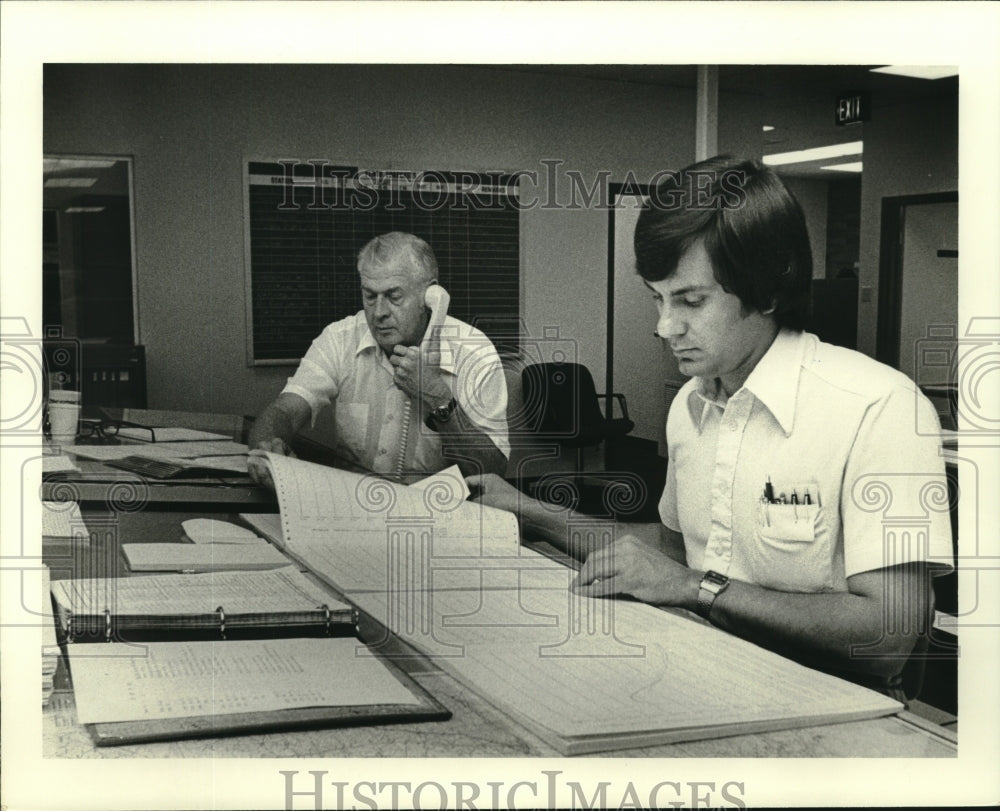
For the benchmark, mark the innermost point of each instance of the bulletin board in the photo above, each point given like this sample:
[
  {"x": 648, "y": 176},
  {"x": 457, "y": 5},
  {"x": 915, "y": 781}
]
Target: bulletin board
[{"x": 306, "y": 221}]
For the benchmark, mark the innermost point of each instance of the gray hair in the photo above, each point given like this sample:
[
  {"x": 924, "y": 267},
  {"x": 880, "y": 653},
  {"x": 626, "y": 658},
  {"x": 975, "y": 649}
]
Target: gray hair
[{"x": 386, "y": 248}]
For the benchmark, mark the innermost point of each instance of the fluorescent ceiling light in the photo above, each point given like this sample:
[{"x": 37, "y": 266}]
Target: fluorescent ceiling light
[
  {"x": 919, "y": 71},
  {"x": 56, "y": 164},
  {"x": 70, "y": 182},
  {"x": 819, "y": 153},
  {"x": 843, "y": 167},
  {"x": 84, "y": 209},
  {"x": 767, "y": 128}
]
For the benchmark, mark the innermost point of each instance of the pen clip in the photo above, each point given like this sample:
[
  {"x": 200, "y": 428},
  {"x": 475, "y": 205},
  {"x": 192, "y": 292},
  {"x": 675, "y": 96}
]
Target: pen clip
[{"x": 769, "y": 491}]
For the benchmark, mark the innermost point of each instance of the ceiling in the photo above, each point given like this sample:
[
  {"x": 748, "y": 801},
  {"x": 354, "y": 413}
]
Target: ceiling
[{"x": 797, "y": 100}]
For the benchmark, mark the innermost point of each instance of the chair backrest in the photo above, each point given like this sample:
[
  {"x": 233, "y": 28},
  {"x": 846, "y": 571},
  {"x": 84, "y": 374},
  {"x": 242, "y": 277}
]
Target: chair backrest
[
  {"x": 516, "y": 417},
  {"x": 560, "y": 401}
]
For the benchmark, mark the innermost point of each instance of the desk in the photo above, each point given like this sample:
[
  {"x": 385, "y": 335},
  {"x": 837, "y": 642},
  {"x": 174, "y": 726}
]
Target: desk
[
  {"x": 99, "y": 485},
  {"x": 476, "y": 729}
]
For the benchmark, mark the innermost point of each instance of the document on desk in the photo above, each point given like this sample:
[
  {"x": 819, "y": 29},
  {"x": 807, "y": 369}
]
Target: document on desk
[
  {"x": 168, "y": 434},
  {"x": 585, "y": 674},
  {"x": 201, "y": 557},
  {"x": 161, "y": 680},
  {"x": 62, "y": 519},
  {"x": 589, "y": 674},
  {"x": 172, "y": 450},
  {"x": 363, "y": 533},
  {"x": 54, "y": 464}
]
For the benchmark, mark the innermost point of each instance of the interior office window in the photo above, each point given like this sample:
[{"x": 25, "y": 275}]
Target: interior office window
[
  {"x": 87, "y": 268},
  {"x": 307, "y": 220}
]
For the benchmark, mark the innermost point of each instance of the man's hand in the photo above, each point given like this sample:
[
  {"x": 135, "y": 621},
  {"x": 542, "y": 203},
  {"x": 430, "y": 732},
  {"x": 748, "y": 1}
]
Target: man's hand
[
  {"x": 418, "y": 371},
  {"x": 257, "y": 463},
  {"x": 491, "y": 490},
  {"x": 630, "y": 566}
]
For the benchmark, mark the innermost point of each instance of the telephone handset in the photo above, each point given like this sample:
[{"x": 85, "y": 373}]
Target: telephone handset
[{"x": 437, "y": 300}]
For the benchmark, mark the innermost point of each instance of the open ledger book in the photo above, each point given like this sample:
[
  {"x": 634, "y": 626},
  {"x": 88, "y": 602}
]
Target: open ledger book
[
  {"x": 451, "y": 578},
  {"x": 247, "y": 651}
]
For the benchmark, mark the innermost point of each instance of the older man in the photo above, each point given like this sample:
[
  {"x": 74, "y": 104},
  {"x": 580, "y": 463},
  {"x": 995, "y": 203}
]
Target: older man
[{"x": 404, "y": 407}]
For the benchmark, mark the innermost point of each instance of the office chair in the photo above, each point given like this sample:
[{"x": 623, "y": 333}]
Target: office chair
[{"x": 561, "y": 405}]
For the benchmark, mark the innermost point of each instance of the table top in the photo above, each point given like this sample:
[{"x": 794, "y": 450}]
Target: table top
[
  {"x": 477, "y": 729},
  {"x": 99, "y": 486}
]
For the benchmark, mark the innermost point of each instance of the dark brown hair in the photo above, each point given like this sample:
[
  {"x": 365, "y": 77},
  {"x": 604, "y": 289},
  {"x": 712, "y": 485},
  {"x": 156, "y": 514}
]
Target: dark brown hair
[{"x": 751, "y": 225}]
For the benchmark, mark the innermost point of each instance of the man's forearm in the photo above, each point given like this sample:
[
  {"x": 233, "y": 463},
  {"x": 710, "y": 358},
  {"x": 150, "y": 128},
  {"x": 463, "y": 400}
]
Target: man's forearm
[
  {"x": 272, "y": 423},
  {"x": 471, "y": 448},
  {"x": 848, "y": 630},
  {"x": 573, "y": 533}
]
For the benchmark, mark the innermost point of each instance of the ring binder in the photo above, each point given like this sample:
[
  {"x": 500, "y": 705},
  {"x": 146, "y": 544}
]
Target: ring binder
[{"x": 276, "y": 602}]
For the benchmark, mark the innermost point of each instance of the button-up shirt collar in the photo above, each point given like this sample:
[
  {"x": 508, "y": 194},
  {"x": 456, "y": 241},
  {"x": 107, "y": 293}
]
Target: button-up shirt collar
[
  {"x": 366, "y": 343},
  {"x": 774, "y": 382}
]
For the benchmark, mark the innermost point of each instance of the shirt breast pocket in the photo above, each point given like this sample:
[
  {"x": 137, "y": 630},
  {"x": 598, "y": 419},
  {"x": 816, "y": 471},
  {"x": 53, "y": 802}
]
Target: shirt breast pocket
[
  {"x": 352, "y": 428},
  {"x": 793, "y": 549}
]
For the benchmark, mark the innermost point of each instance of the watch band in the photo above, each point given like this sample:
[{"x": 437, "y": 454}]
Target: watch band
[{"x": 711, "y": 586}]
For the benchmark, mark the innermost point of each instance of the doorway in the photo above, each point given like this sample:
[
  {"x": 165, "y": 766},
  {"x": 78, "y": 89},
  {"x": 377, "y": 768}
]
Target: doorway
[{"x": 918, "y": 280}]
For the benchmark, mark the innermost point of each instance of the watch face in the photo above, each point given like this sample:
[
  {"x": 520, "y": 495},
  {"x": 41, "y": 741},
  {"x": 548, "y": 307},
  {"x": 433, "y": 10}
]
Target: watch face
[
  {"x": 443, "y": 412},
  {"x": 715, "y": 578}
]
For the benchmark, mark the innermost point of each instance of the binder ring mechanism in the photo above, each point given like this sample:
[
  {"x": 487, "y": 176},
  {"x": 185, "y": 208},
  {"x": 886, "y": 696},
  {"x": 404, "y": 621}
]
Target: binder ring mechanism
[
  {"x": 107, "y": 625},
  {"x": 328, "y": 618},
  {"x": 222, "y": 621}
]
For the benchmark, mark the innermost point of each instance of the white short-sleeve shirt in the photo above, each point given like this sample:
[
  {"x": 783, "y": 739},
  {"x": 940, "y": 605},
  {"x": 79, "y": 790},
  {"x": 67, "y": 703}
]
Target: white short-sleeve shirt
[
  {"x": 346, "y": 368},
  {"x": 851, "y": 445}
]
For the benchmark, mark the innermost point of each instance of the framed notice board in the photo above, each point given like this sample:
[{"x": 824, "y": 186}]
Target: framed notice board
[{"x": 306, "y": 221}]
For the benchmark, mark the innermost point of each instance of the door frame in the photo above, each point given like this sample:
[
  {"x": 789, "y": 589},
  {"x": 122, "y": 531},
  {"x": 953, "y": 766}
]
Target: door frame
[
  {"x": 615, "y": 191},
  {"x": 890, "y": 271}
]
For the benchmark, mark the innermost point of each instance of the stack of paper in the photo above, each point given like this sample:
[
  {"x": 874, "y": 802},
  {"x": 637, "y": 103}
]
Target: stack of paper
[
  {"x": 211, "y": 530},
  {"x": 62, "y": 519},
  {"x": 168, "y": 434},
  {"x": 53, "y": 464},
  {"x": 201, "y": 557},
  {"x": 50, "y": 648}
]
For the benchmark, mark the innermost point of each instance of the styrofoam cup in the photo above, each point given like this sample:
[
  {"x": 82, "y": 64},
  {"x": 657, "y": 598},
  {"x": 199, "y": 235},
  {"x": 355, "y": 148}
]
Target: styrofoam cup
[
  {"x": 64, "y": 419},
  {"x": 64, "y": 396}
]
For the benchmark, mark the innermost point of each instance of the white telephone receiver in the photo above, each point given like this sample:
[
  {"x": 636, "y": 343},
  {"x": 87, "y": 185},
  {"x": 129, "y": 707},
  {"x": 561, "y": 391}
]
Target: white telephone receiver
[{"x": 437, "y": 300}]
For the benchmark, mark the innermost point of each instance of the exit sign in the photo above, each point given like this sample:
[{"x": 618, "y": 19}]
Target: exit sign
[{"x": 853, "y": 108}]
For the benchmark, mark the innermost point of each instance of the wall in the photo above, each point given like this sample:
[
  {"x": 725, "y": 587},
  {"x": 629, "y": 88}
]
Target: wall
[
  {"x": 812, "y": 196},
  {"x": 190, "y": 128},
  {"x": 910, "y": 148}
]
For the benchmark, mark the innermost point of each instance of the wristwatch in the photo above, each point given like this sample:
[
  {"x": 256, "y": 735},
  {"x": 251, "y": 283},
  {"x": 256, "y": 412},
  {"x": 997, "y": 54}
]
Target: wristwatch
[
  {"x": 443, "y": 413},
  {"x": 711, "y": 586}
]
